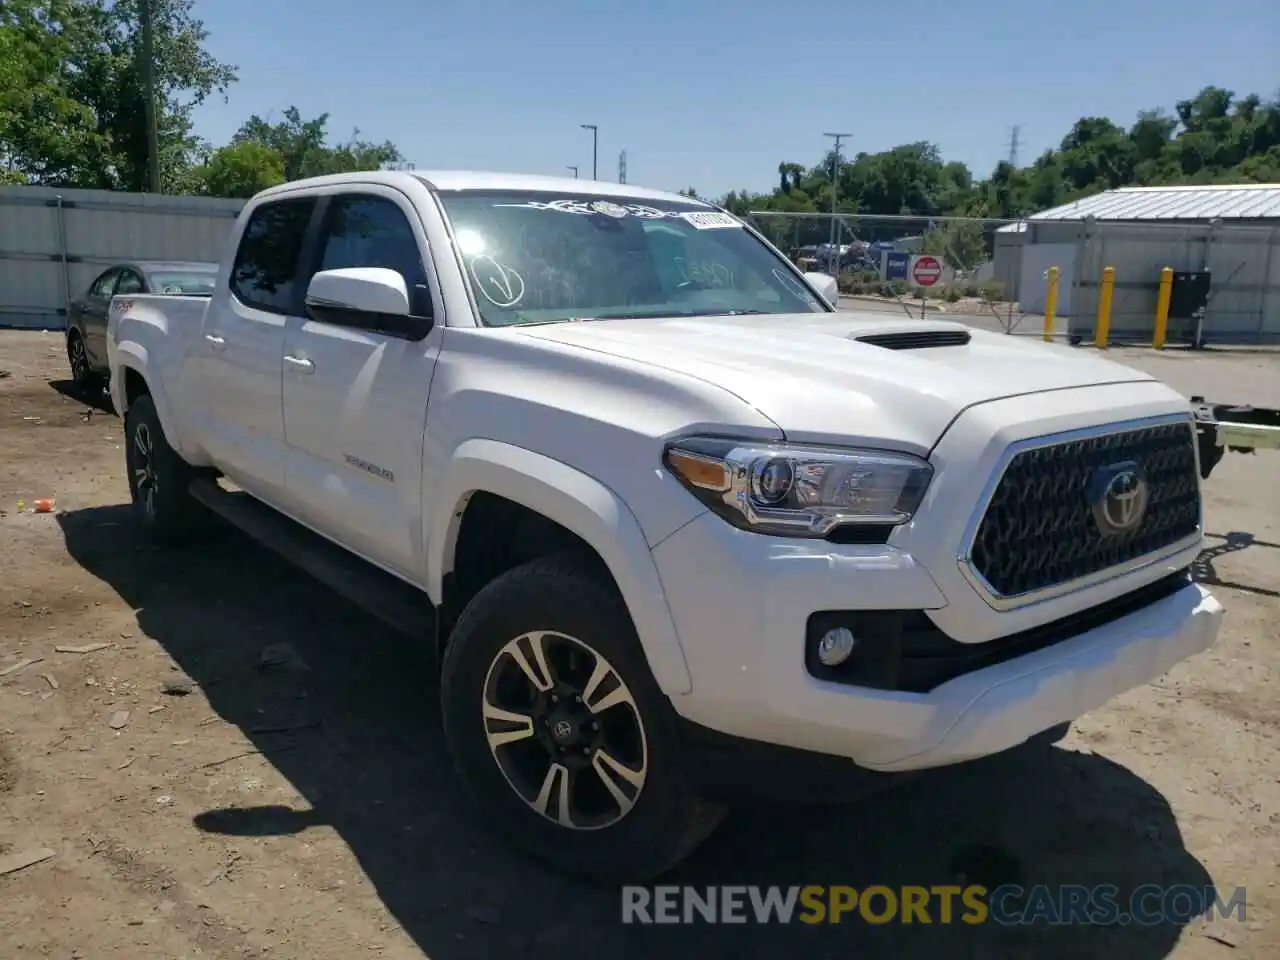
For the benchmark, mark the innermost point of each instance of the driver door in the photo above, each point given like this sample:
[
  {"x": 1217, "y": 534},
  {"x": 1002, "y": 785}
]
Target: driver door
[{"x": 355, "y": 399}]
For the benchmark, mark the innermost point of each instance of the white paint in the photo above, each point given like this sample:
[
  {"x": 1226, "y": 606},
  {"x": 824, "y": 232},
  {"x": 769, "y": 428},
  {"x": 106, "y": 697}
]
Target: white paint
[{"x": 570, "y": 419}]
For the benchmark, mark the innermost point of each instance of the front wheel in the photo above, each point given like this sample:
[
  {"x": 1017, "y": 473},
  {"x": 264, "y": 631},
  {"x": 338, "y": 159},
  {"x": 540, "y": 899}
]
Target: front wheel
[{"x": 560, "y": 731}]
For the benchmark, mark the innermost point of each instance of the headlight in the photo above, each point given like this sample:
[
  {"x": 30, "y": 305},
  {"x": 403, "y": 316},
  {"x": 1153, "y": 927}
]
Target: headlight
[{"x": 799, "y": 491}]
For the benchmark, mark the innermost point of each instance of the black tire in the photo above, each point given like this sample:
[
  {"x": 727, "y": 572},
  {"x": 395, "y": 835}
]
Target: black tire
[
  {"x": 82, "y": 374},
  {"x": 565, "y": 596},
  {"x": 159, "y": 479}
]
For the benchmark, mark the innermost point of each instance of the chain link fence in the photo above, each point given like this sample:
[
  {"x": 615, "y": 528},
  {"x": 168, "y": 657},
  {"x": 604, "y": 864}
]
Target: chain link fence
[{"x": 965, "y": 266}]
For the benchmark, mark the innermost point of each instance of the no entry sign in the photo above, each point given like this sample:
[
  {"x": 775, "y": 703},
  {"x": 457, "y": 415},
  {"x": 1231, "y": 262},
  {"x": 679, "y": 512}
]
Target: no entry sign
[{"x": 926, "y": 271}]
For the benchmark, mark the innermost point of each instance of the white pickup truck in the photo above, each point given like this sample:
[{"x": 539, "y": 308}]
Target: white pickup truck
[{"x": 670, "y": 520}]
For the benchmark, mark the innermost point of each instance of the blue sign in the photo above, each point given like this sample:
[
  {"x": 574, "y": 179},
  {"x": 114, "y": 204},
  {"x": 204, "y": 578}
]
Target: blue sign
[{"x": 895, "y": 265}]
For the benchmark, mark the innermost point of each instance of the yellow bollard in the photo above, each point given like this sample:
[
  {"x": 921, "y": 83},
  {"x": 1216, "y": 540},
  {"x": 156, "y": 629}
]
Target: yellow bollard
[
  {"x": 1102, "y": 331},
  {"x": 1162, "y": 308},
  {"x": 1050, "y": 302}
]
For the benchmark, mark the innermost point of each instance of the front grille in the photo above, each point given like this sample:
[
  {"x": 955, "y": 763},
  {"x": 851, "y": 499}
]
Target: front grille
[{"x": 1039, "y": 530}]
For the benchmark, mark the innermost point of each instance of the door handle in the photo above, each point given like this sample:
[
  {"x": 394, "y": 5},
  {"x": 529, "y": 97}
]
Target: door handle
[
  {"x": 301, "y": 364},
  {"x": 216, "y": 342}
]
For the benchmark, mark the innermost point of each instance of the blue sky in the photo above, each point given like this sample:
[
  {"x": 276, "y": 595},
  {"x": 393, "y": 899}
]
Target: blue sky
[{"x": 714, "y": 93}]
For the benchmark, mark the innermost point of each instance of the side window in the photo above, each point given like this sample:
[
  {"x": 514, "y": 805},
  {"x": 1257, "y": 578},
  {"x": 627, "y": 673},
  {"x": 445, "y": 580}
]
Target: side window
[
  {"x": 267, "y": 259},
  {"x": 103, "y": 286},
  {"x": 130, "y": 282},
  {"x": 365, "y": 231}
]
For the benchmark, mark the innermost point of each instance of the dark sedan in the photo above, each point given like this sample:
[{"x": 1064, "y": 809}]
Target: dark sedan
[{"x": 87, "y": 318}]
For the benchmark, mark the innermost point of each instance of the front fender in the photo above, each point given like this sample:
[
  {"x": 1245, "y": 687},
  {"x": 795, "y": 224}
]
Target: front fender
[{"x": 578, "y": 503}]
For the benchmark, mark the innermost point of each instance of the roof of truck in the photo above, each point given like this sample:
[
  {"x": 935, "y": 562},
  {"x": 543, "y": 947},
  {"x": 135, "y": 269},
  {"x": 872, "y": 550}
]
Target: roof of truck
[{"x": 448, "y": 180}]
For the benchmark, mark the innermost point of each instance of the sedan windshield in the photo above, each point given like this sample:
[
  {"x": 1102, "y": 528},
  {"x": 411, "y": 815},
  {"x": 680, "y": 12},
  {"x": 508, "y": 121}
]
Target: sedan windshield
[{"x": 535, "y": 257}]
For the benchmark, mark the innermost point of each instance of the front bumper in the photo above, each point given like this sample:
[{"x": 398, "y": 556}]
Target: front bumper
[{"x": 741, "y": 602}]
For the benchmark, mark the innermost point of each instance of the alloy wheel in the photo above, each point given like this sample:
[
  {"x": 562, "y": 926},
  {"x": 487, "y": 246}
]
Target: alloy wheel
[
  {"x": 565, "y": 730},
  {"x": 146, "y": 480},
  {"x": 79, "y": 359}
]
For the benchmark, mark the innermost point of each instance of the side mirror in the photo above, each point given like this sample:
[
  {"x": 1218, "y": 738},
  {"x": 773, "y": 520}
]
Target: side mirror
[
  {"x": 826, "y": 285},
  {"x": 360, "y": 290},
  {"x": 368, "y": 298}
]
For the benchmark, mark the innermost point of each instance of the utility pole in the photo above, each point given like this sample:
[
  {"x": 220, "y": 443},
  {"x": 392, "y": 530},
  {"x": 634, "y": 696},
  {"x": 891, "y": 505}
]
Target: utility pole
[
  {"x": 835, "y": 192},
  {"x": 622, "y": 167},
  {"x": 575, "y": 171},
  {"x": 595, "y": 144},
  {"x": 149, "y": 94}
]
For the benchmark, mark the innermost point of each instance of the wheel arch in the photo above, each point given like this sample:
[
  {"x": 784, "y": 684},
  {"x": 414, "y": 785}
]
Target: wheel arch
[
  {"x": 129, "y": 380},
  {"x": 585, "y": 508}
]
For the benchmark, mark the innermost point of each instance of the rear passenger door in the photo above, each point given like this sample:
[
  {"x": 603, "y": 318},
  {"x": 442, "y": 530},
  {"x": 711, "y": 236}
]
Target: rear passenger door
[
  {"x": 355, "y": 398},
  {"x": 237, "y": 373}
]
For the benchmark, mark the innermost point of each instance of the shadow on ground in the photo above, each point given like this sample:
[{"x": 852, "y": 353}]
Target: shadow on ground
[
  {"x": 373, "y": 767},
  {"x": 1205, "y": 571},
  {"x": 96, "y": 398}
]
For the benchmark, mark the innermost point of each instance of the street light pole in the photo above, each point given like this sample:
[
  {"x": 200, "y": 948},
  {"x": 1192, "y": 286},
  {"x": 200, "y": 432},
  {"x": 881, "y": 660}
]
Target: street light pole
[
  {"x": 835, "y": 190},
  {"x": 149, "y": 93},
  {"x": 595, "y": 151},
  {"x": 575, "y": 171}
]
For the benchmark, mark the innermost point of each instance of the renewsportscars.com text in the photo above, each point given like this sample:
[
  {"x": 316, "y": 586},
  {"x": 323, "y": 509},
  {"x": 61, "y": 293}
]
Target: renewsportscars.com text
[{"x": 1104, "y": 905}]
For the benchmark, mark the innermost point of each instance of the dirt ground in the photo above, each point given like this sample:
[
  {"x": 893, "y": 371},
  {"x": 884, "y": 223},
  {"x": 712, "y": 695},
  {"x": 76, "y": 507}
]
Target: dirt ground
[{"x": 303, "y": 806}]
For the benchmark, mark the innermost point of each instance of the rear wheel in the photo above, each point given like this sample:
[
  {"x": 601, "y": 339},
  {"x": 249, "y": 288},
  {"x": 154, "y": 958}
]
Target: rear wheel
[
  {"x": 78, "y": 359},
  {"x": 560, "y": 730},
  {"x": 159, "y": 479}
]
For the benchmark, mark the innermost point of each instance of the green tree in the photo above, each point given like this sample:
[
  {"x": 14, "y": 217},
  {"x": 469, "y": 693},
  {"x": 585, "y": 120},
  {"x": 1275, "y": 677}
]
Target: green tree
[
  {"x": 1212, "y": 137},
  {"x": 77, "y": 115},
  {"x": 305, "y": 151},
  {"x": 47, "y": 135},
  {"x": 240, "y": 170}
]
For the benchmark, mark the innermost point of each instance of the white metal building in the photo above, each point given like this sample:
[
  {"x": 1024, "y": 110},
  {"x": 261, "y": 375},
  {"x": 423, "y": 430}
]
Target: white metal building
[
  {"x": 54, "y": 242},
  {"x": 1231, "y": 230}
]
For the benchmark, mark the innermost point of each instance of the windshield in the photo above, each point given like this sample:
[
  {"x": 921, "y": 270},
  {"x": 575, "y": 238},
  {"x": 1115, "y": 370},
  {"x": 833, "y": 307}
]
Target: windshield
[
  {"x": 191, "y": 283},
  {"x": 543, "y": 257}
]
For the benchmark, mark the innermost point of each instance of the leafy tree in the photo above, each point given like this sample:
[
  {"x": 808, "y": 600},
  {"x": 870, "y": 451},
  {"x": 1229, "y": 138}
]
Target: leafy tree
[
  {"x": 304, "y": 150},
  {"x": 76, "y": 115},
  {"x": 240, "y": 170},
  {"x": 1213, "y": 137},
  {"x": 47, "y": 135}
]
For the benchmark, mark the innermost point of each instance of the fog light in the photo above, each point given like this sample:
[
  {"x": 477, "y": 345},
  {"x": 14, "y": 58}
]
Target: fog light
[{"x": 835, "y": 646}]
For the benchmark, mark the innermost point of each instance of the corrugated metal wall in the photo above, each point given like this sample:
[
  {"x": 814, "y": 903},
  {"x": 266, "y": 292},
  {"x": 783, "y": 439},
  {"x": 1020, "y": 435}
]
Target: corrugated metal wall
[
  {"x": 54, "y": 242},
  {"x": 1244, "y": 299}
]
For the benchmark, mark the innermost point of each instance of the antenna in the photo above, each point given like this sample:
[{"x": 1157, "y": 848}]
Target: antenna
[
  {"x": 1015, "y": 134},
  {"x": 622, "y": 167}
]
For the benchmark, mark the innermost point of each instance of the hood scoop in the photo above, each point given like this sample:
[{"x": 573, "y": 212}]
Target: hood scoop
[{"x": 916, "y": 339}]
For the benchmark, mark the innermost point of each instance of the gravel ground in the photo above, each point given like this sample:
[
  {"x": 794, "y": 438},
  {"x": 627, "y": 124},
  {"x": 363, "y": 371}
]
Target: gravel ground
[{"x": 200, "y": 802}]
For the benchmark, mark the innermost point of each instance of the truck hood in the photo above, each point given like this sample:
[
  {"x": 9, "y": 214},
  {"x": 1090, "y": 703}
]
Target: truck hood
[{"x": 820, "y": 381}]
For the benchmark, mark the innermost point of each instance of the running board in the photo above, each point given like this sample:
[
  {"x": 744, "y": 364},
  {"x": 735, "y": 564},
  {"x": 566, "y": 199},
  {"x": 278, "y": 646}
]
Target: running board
[{"x": 388, "y": 598}]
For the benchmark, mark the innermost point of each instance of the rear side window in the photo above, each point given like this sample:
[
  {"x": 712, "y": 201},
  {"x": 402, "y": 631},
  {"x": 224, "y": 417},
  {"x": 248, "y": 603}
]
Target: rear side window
[{"x": 267, "y": 260}]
